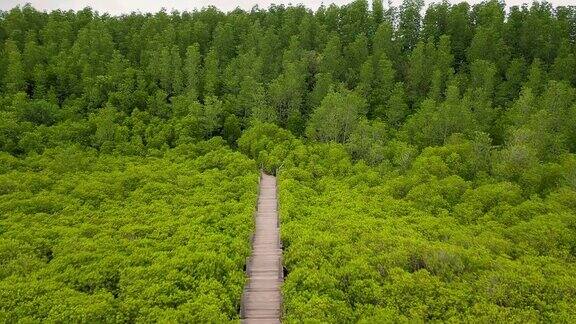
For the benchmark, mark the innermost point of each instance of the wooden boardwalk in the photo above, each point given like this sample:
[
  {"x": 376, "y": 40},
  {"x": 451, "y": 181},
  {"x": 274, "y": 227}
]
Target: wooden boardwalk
[{"x": 262, "y": 299}]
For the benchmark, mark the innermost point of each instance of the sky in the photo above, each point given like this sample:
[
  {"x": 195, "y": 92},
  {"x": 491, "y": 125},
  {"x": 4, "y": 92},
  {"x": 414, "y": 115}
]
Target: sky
[{"x": 115, "y": 7}]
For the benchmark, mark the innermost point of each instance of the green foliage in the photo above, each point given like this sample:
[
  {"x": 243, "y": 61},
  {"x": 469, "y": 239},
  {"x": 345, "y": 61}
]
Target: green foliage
[
  {"x": 211, "y": 74},
  {"x": 447, "y": 249},
  {"x": 191, "y": 70},
  {"x": 279, "y": 65},
  {"x": 337, "y": 117},
  {"x": 268, "y": 145},
  {"x": 426, "y": 159},
  {"x": 14, "y": 79},
  {"x": 101, "y": 238},
  {"x": 434, "y": 123}
]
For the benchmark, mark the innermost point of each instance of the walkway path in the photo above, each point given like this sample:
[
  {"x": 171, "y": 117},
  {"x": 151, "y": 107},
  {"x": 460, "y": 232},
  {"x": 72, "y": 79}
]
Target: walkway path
[{"x": 261, "y": 299}]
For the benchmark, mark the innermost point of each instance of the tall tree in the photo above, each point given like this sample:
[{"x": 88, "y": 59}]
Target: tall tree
[
  {"x": 383, "y": 42},
  {"x": 377, "y": 12},
  {"x": 14, "y": 80},
  {"x": 177, "y": 79},
  {"x": 356, "y": 54},
  {"x": 409, "y": 24},
  {"x": 223, "y": 42},
  {"x": 459, "y": 28},
  {"x": 336, "y": 117},
  {"x": 443, "y": 70},
  {"x": 396, "y": 108},
  {"x": 435, "y": 22},
  {"x": 286, "y": 95},
  {"x": 332, "y": 61},
  {"x": 192, "y": 72},
  {"x": 211, "y": 74},
  {"x": 420, "y": 69}
]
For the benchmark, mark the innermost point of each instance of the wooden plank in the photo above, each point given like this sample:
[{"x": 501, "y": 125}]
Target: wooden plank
[{"x": 261, "y": 300}]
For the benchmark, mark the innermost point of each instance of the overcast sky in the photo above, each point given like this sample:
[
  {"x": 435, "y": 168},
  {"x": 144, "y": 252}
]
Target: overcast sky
[{"x": 127, "y": 6}]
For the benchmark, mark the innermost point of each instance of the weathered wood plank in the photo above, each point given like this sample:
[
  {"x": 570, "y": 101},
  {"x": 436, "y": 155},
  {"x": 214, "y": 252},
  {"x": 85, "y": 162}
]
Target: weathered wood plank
[{"x": 261, "y": 300}]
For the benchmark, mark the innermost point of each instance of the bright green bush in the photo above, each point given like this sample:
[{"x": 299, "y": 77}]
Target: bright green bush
[
  {"x": 446, "y": 250},
  {"x": 91, "y": 237}
]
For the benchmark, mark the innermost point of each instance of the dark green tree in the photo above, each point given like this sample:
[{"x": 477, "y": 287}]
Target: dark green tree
[{"x": 14, "y": 80}]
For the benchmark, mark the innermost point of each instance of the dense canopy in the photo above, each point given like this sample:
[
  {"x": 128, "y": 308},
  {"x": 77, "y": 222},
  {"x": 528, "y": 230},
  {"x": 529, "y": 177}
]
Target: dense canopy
[{"x": 426, "y": 161}]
